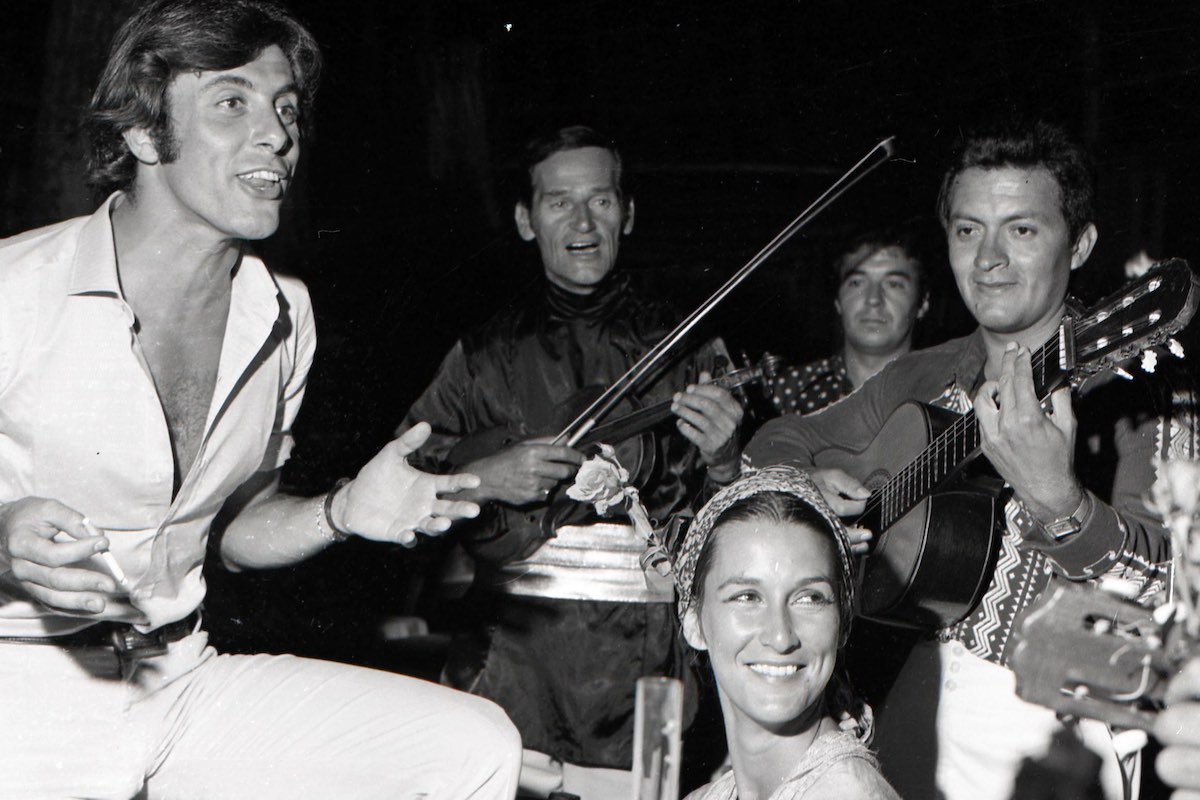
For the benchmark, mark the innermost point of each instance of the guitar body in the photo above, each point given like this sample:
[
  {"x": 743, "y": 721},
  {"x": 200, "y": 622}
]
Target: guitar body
[{"x": 931, "y": 566}]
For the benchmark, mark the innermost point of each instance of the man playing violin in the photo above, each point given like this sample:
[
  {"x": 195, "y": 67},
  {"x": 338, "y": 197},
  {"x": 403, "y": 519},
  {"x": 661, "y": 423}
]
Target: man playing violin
[
  {"x": 571, "y": 620},
  {"x": 1016, "y": 204}
]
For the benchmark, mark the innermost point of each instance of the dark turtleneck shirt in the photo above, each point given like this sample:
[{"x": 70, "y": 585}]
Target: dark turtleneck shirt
[{"x": 530, "y": 369}]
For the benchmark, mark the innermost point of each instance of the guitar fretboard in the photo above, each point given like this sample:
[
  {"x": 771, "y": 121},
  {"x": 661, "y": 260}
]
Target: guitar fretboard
[{"x": 955, "y": 447}]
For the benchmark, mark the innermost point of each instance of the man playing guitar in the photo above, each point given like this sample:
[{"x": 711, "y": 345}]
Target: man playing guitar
[{"x": 1016, "y": 204}]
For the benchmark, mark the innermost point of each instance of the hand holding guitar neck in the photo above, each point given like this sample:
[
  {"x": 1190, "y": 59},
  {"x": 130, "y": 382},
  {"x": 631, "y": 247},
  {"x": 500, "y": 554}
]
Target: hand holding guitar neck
[{"x": 1031, "y": 448}]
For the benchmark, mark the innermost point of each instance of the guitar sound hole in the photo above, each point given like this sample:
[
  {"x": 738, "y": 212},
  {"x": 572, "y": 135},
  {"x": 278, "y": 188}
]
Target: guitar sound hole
[{"x": 877, "y": 479}]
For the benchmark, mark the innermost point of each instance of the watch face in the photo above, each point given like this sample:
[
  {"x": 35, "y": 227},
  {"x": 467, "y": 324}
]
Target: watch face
[{"x": 1062, "y": 528}]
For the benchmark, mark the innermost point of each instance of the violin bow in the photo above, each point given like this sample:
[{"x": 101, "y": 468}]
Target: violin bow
[{"x": 602, "y": 405}]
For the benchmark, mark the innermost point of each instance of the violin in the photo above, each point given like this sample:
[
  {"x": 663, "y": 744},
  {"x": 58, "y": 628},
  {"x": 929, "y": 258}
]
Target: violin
[
  {"x": 641, "y": 419},
  {"x": 624, "y": 432},
  {"x": 630, "y": 434}
]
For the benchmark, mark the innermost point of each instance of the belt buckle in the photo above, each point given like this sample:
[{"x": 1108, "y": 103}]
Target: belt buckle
[{"x": 132, "y": 645}]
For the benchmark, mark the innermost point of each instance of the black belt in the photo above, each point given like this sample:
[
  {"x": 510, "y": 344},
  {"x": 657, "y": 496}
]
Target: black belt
[{"x": 128, "y": 643}]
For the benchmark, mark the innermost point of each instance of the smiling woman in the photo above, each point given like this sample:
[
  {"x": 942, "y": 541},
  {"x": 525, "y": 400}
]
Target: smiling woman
[{"x": 766, "y": 583}]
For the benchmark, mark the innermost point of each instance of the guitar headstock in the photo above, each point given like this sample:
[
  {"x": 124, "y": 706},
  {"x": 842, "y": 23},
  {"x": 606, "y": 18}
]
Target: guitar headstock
[
  {"x": 1145, "y": 313},
  {"x": 1086, "y": 652}
]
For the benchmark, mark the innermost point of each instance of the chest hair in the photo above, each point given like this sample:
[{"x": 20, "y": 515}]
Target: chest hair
[{"x": 183, "y": 360}]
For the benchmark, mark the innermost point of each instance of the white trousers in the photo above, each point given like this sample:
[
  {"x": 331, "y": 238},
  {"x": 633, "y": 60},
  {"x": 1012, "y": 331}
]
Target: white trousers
[
  {"x": 541, "y": 775},
  {"x": 953, "y": 727},
  {"x": 194, "y": 724}
]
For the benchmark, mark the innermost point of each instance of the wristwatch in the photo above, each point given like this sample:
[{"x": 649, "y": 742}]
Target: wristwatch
[{"x": 1065, "y": 527}]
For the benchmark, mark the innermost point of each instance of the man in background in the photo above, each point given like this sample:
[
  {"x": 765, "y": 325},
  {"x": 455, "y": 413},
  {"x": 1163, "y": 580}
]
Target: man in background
[{"x": 881, "y": 295}]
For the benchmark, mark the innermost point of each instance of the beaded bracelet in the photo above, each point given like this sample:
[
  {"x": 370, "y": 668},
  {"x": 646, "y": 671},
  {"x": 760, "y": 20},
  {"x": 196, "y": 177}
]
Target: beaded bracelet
[{"x": 325, "y": 523}]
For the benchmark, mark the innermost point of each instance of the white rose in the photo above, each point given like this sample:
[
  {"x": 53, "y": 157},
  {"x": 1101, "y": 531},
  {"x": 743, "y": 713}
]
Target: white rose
[{"x": 600, "y": 481}]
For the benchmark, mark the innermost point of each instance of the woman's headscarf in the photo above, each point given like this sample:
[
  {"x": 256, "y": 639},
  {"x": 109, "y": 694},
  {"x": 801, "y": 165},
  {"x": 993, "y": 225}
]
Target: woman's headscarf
[{"x": 782, "y": 479}]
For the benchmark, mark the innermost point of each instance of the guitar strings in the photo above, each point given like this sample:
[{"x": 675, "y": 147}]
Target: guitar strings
[{"x": 898, "y": 495}]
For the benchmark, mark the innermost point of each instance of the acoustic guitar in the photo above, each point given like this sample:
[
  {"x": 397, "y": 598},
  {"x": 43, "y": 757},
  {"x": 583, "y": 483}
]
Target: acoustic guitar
[{"x": 938, "y": 517}]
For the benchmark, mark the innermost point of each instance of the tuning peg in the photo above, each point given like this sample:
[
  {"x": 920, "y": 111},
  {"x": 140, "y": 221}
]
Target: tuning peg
[
  {"x": 1120, "y": 373},
  {"x": 771, "y": 364},
  {"x": 1149, "y": 361},
  {"x": 1166, "y": 612},
  {"x": 1121, "y": 587},
  {"x": 1175, "y": 347}
]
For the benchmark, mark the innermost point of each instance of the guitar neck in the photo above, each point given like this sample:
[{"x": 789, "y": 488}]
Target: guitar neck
[{"x": 958, "y": 445}]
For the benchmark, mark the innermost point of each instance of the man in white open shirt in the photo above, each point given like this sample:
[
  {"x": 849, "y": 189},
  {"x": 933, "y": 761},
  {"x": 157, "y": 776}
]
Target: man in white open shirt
[{"x": 150, "y": 373}]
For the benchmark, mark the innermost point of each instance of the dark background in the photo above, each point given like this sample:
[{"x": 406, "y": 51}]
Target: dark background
[{"x": 732, "y": 117}]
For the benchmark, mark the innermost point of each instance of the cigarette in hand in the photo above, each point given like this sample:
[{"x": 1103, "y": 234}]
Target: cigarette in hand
[{"x": 106, "y": 558}]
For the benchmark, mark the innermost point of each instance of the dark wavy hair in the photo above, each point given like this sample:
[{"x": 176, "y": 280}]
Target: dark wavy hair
[
  {"x": 168, "y": 37},
  {"x": 571, "y": 137},
  {"x": 1028, "y": 145},
  {"x": 906, "y": 238}
]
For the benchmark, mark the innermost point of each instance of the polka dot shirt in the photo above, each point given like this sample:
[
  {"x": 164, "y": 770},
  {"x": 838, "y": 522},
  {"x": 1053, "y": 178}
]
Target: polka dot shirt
[{"x": 811, "y": 387}]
